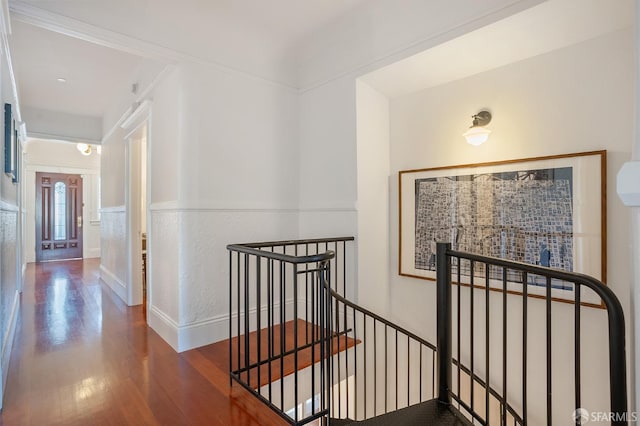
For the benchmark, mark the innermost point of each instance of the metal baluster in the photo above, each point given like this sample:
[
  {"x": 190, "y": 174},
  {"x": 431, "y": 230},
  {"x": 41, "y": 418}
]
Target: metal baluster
[
  {"x": 576, "y": 347},
  {"x": 375, "y": 369},
  {"x": 459, "y": 322},
  {"x": 346, "y": 357},
  {"x": 338, "y": 336},
  {"x": 270, "y": 303},
  {"x": 247, "y": 349},
  {"x": 420, "y": 368},
  {"x": 258, "y": 319},
  {"x": 238, "y": 339},
  {"x": 386, "y": 370},
  {"x": 344, "y": 268},
  {"x": 355, "y": 362},
  {"x": 283, "y": 347},
  {"x": 408, "y": 372},
  {"x": 487, "y": 392},
  {"x": 230, "y": 318},
  {"x": 549, "y": 364},
  {"x": 471, "y": 338},
  {"x": 504, "y": 348},
  {"x": 525, "y": 292},
  {"x": 396, "y": 388},
  {"x": 364, "y": 333},
  {"x": 295, "y": 336}
]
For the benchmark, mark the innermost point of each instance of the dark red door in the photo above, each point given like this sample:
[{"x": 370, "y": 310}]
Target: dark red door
[{"x": 58, "y": 216}]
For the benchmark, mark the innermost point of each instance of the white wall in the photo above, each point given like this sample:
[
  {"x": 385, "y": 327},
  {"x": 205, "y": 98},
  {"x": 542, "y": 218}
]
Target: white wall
[
  {"x": 541, "y": 106},
  {"x": 62, "y": 157},
  {"x": 113, "y": 261},
  {"x": 11, "y": 217},
  {"x": 373, "y": 197},
  {"x": 222, "y": 169}
]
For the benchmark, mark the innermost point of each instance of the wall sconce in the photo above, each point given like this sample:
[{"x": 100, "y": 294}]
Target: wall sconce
[
  {"x": 86, "y": 149},
  {"x": 477, "y": 133}
]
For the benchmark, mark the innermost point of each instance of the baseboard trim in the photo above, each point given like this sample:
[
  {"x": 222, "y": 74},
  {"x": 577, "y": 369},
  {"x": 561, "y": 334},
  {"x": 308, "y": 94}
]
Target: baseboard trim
[
  {"x": 162, "y": 324},
  {"x": 7, "y": 343},
  {"x": 204, "y": 332},
  {"x": 118, "y": 286}
]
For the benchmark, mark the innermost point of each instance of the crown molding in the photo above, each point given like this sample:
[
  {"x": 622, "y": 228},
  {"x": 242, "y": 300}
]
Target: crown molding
[
  {"x": 61, "y": 138},
  {"x": 29, "y": 14},
  {"x": 33, "y": 15}
]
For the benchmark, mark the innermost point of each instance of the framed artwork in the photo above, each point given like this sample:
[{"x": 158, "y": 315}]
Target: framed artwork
[
  {"x": 10, "y": 144},
  {"x": 548, "y": 211},
  {"x": 16, "y": 150}
]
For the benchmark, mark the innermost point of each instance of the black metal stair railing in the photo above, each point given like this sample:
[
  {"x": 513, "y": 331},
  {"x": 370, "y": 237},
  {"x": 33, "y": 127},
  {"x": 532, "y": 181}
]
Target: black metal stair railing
[
  {"x": 471, "y": 280},
  {"x": 388, "y": 367},
  {"x": 308, "y": 352},
  {"x": 277, "y": 326}
]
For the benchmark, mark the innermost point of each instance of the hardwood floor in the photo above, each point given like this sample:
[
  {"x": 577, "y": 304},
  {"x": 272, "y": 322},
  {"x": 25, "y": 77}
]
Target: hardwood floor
[{"x": 82, "y": 357}]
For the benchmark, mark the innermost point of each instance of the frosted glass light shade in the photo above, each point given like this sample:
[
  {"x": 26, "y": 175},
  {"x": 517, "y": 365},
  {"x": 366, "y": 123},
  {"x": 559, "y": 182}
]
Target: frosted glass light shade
[
  {"x": 84, "y": 148},
  {"x": 476, "y": 135}
]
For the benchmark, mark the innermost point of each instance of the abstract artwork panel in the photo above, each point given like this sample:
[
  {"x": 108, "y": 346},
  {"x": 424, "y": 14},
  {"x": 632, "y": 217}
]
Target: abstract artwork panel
[{"x": 544, "y": 211}]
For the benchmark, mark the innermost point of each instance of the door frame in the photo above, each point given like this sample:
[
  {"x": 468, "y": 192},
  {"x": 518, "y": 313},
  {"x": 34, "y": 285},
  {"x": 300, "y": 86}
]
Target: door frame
[
  {"x": 29, "y": 205},
  {"x": 138, "y": 124},
  {"x": 73, "y": 248}
]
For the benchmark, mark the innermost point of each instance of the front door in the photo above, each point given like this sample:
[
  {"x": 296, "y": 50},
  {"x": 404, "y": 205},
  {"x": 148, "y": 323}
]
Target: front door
[{"x": 58, "y": 216}]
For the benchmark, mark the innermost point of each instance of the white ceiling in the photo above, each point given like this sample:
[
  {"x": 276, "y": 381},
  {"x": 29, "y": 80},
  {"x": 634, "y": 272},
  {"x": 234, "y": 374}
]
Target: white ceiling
[
  {"x": 287, "y": 20},
  {"x": 548, "y": 26},
  {"x": 94, "y": 74}
]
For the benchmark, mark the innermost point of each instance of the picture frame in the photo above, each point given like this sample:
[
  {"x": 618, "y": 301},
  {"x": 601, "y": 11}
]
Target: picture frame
[
  {"x": 10, "y": 144},
  {"x": 549, "y": 211},
  {"x": 17, "y": 151}
]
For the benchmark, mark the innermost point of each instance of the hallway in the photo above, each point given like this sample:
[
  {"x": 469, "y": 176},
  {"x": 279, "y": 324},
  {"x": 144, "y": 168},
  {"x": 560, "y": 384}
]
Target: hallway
[{"x": 81, "y": 356}]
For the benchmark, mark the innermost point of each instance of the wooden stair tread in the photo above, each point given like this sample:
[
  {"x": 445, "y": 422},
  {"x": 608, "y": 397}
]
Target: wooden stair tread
[{"x": 306, "y": 357}]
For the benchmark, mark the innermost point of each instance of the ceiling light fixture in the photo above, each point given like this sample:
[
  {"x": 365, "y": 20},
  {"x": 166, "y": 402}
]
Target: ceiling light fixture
[
  {"x": 61, "y": 80},
  {"x": 477, "y": 133}
]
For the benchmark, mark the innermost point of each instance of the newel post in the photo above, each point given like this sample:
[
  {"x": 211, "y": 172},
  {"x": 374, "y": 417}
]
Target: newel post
[{"x": 443, "y": 283}]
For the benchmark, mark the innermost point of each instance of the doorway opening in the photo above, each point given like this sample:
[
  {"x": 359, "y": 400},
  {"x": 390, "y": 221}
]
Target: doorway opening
[{"x": 137, "y": 215}]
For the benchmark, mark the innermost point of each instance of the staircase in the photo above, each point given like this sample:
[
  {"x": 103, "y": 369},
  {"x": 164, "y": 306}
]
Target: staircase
[{"x": 337, "y": 363}]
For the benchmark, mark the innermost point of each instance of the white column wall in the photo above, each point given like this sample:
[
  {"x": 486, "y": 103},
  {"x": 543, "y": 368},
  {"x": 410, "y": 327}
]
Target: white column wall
[
  {"x": 373, "y": 197},
  {"x": 231, "y": 140},
  {"x": 113, "y": 261}
]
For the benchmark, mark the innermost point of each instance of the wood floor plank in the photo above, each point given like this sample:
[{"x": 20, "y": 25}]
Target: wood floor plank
[{"x": 82, "y": 357}]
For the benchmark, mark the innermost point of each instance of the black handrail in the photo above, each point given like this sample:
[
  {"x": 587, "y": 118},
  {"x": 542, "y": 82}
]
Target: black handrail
[
  {"x": 282, "y": 243},
  {"x": 347, "y": 302},
  {"x": 616, "y": 326},
  {"x": 281, "y": 256}
]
